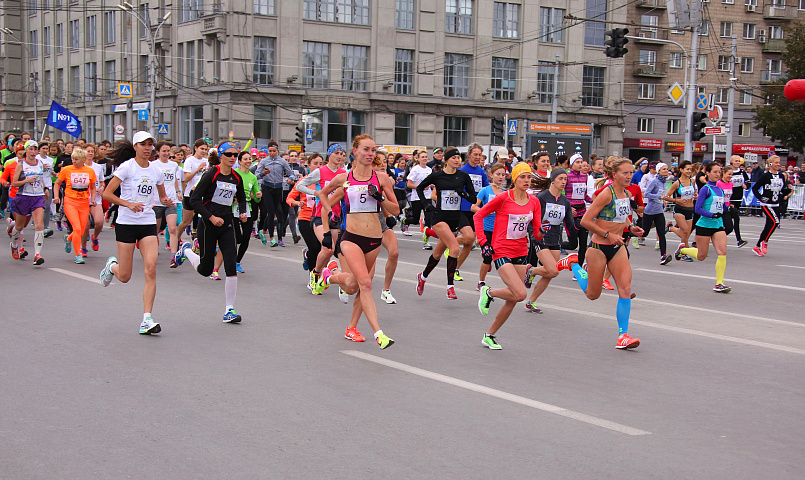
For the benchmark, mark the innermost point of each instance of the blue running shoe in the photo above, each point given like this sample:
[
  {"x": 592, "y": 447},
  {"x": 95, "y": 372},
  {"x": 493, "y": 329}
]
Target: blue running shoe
[
  {"x": 231, "y": 317},
  {"x": 304, "y": 260},
  {"x": 179, "y": 257},
  {"x": 239, "y": 269},
  {"x": 68, "y": 247}
]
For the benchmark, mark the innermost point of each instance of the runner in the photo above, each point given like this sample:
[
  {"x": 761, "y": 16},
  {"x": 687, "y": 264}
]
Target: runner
[
  {"x": 47, "y": 177},
  {"x": 136, "y": 223},
  {"x": 740, "y": 183},
  {"x": 514, "y": 210},
  {"x": 710, "y": 226},
  {"x": 273, "y": 173},
  {"x": 213, "y": 199},
  {"x": 489, "y": 192},
  {"x": 166, "y": 216},
  {"x": 389, "y": 241},
  {"x": 451, "y": 186},
  {"x": 251, "y": 188},
  {"x": 576, "y": 192},
  {"x": 306, "y": 204},
  {"x": 418, "y": 172},
  {"x": 606, "y": 218},
  {"x": 653, "y": 215},
  {"x": 79, "y": 195},
  {"x": 96, "y": 207},
  {"x": 769, "y": 190},
  {"x": 177, "y": 156},
  {"x": 480, "y": 180},
  {"x": 29, "y": 201},
  {"x": 194, "y": 167},
  {"x": 682, "y": 194}
]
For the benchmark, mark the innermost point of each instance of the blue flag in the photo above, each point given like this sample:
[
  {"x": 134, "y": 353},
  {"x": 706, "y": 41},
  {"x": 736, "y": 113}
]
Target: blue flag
[{"x": 61, "y": 118}]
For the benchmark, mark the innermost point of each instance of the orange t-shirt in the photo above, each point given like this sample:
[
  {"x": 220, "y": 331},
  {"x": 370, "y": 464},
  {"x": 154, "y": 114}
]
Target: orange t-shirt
[
  {"x": 8, "y": 176},
  {"x": 77, "y": 181},
  {"x": 307, "y": 203}
]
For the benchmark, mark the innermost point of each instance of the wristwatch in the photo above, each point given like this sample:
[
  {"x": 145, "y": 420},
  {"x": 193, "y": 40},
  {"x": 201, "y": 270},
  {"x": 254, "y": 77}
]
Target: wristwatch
[{"x": 606, "y": 235}]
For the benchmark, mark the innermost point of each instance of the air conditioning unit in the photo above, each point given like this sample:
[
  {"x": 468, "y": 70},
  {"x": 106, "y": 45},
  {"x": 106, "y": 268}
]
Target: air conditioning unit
[
  {"x": 761, "y": 39},
  {"x": 751, "y": 8}
]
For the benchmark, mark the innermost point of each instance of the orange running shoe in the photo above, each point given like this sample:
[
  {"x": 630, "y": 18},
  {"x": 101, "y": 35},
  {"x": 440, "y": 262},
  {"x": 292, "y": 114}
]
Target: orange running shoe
[
  {"x": 354, "y": 335},
  {"x": 626, "y": 342},
  {"x": 608, "y": 285},
  {"x": 565, "y": 263},
  {"x": 451, "y": 293},
  {"x": 420, "y": 284},
  {"x": 332, "y": 265},
  {"x": 15, "y": 253}
]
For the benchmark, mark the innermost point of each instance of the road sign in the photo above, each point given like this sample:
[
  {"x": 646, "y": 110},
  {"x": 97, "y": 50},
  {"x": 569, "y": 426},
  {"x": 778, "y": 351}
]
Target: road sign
[
  {"x": 296, "y": 148},
  {"x": 142, "y": 115},
  {"x": 512, "y": 130},
  {"x": 676, "y": 93},
  {"x": 715, "y": 131},
  {"x": 120, "y": 129},
  {"x": 716, "y": 113},
  {"x": 701, "y": 101},
  {"x": 162, "y": 129},
  {"x": 711, "y": 101},
  {"x": 750, "y": 157},
  {"x": 124, "y": 90},
  {"x": 309, "y": 135}
]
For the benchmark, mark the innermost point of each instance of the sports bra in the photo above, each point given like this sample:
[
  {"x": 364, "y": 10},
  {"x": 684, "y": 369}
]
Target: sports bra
[
  {"x": 356, "y": 195},
  {"x": 685, "y": 192},
  {"x": 617, "y": 210}
]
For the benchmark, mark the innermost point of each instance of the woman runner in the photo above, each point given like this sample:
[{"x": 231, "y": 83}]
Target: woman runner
[
  {"x": 497, "y": 173},
  {"x": 576, "y": 192},
  {"x": 389, "y": 242},
  {"x": 167, "y": 215},
  {"x": 194, "y": 167},
  {"x": 770, "y": 189},
  {"x": 306, "y": 203},
  {"x": 79, "y": 195},
  {"x": 653, "y": 215},
  {"x": 29, "y": 201},
  {"x": 251, "y": 188},
  {"x": 96, "y": 209},
  {"x": 682, "y": 194},
  {"x": 740, "y": 183}
]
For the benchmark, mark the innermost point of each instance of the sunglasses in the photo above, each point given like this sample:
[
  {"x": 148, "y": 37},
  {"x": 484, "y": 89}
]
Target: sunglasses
[
  {"x": 229, "y": 154},
  {"x": 172, "y": 156}
]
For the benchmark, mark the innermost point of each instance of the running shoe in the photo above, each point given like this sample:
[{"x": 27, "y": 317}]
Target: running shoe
[
  {"x": 354, "y": 335},
  {"x": 490, "y": 342},
  {"x": 167, "y": 246},
  {"x": 232, "y": 317},
  {"x": 333, "y": 265},
  {"x": 48, "y": 232},
  {"x": 635, "y": 242},
  {"x": 383, "y": 341},
  {"x": 686, "y": 258},
  {"x": 296, "y": 239},
  {"x": 321, "y": 284},
  {"x": 694, "y": 245},
  {"x": 215, "y": 275},
  {"x": 626, "y": 342},
  {"x": 566, "y": 262},
  {"x": 742, "y": 243},
  {"x": 272, "y": 243},
  {"x": 529, "y": 277},
  {"x": 420, "y": 284},
  {"x": 179, "y": 257},
  {"x": 632, "y": 295},
  {"x": 38, "y": 260},
  {"x": 451, "y": 293},
  {"x": 657, "y": 245},
  {"x": 106, "y": 274},
  {"x": 262, "y": 236},
  {"x": 665, "y": 259},
  {"x": 280, "y": 243},
  {"x": 23, "y": 253},
  {"x": 678, "y": 252},
  {"x": 239, "y": 269},
  {"x": 721, "y": 288},
  {"x": 407, "y": 233},
  {"x": 457, "y": 277},
  {"x": 79, "y": 260},
  {"x": 668, "y": 226},
  {"x": 196, "y": 247},
  {"x": 480, "y": 285},
  {"x": 173, "y": 263},
  {"x": 532, "y": 307},
  {"x": 765, "y": 247},
  {"x": 343, "y": 296},
  {"x": 758, "y": 251},
  {"x": 608, "y": 285},
  {"x": 84, "y": 253},
  {"x": 386, "y": 296},
  {"x": 641, "y": 241},
  {"x": 427, "y": 246},
  {"x": 15, "y": 253},
  {"x": 304, "y": 260},
  {"x": 484, "y": 301},
  {"x": 58, "y": 226},
  {"x": 149, "y": 326},
  {"x": 96, "y": 244}
]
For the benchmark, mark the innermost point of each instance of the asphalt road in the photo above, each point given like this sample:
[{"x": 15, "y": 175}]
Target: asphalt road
[{"x": 714, "y": 391}]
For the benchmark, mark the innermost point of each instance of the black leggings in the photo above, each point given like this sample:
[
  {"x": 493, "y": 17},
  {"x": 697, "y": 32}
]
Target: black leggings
[
  {"x": 657, "y": 221},
  {"x": 209, "y": 236},
  {"x": 243, "y": 233},
  {"x": 772, "y": 222},
  {"x": 271, "y": 205},
  {"x": 577, "y": 240},
  {"x": 732, "y": 221},
  {"x": 416, "y": 211},
  {"x": 313, "y": 244}
]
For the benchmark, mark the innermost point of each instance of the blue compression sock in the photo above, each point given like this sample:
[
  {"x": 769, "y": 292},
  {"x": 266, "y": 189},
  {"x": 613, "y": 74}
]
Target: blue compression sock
[
  {"x": 581, "y": 276},
  {"x": 623, "y": 312}
]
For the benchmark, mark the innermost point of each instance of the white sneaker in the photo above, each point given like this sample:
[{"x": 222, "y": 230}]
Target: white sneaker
[
  {"x": 343, "y": 296},
  {"x": 149, "y": 326},
  {"x": 387, "y": 297},
  {"x": 657, "y": 245}
]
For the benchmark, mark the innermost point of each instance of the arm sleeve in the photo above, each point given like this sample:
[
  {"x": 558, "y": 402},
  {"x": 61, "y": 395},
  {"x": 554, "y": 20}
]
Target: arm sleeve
[
  {"x": 312, "y": 179},
  {"x": 478, "y": 217},
  {"x": 248, "y": 144},
  {"x": 292, "y": 196},
  {"x": 420, "y": 189},
  {"x": 703, "y": 195},
  {"x": 196, "y": 198},
  {"x": 469, "y": 188},
  {"x": 759, "y": 184}
]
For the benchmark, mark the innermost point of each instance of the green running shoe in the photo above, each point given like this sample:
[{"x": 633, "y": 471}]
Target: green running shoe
[
  {"x": 383, "y": 341},
  {"x": 491, "y": 342},
  {"x": 484, "y": 301},
  {"x": 457, "y": 277}
]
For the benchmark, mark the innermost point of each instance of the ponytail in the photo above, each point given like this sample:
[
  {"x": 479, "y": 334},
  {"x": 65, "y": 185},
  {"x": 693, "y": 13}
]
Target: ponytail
[
  {"x": 213, "y": 159},
  {"x": 123, "y": 150},
  {"x": 540, "y": 183}
]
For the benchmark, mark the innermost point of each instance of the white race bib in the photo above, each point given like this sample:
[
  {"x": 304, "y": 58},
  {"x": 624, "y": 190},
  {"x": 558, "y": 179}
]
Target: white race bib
[
  {"x": 79, "y": 181},
  {"x": 144, "y": 192},
  {"x": 686, "y": 192},
  {"x": 738, "y": 180},
  {"x": 776, "y": 184},
  {"x": 518, "y": 225},
  {"x": 310, "y": 200},
  {"x": 224, "y": 193},
  {"x": 359, "y": 199},
  {"x": 622, "y": 210},
  {"x": 579, "y": 190},
  {"x": 477, "y": 182},
  {"x": 718, "y": 204},
  {"x": 236, "y": 209},
  {"x": 450, "y": 200},
  {"x": 554, "y": 214}
]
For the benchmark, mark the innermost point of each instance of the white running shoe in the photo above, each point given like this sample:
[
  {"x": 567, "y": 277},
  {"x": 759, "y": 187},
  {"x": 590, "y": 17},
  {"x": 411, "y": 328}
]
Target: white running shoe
[
  {"x": 387, "y": 297},
  {"x": 343, "y": 296},
  {"x": 149, "y": 326},
  {"x": 106, "y": 274}
]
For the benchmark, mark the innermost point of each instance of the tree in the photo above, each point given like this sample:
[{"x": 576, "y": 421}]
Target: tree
[{"x": 781, "y": 119}]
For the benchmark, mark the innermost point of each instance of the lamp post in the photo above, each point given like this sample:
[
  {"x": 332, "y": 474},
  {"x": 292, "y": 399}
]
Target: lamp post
[
  {"x": 33, "y": 77},
  {"x": 152, "y": 59}
]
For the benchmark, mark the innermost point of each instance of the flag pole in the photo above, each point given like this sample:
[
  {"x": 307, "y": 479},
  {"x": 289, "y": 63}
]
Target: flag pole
[{"x": 42, "y": 137}]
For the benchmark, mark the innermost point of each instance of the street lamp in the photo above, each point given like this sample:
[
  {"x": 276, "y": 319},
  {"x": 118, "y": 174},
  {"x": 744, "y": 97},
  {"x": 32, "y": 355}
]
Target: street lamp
[
  {"x": 10, "y": 33},
  {"x": 152, "y": 59}
]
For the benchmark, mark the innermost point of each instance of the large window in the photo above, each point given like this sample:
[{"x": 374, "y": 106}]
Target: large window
[
  {"x": 723, "y": 95},
  {"x": 191, "y": 10},
  {"x": 179, "y": 62},
  {"x": 33, "y": 41},
  {"x": 46, "y": 41},
  {"x": 143, "y": 11},
  {"x": 546, "y": 73},
  {"x": 191, "y": 124},
  {"x": 110, "y": 79},
  {"x": 402, "y": 129},
  {"x": 594, "y": 31},
  {"x": 355, "y": 12},
  {"x": 47, "y": 84},
  {"x": 264, "y": 7},
  {"x": 744, "y": 129},
  {"x": 724, "y": 63},
  {"x": 645, "y": 125},
  {"x": 457, "y": 75},
  {"x": 506, "y": 22},
  {"x": 263, "y": 73},
  {"x": 75, "y": 83},
  {"x": 747, "y": 64},
  {"x": 726, "y": 29},
  {"x": 263, "y": 124},
  {"x": 592, "y": 87},
  {"x": 74, "y": 34},
  {"x": 749, "y": 31},
  {"x": 109, "y": 27},
  {"x": 405, "y": 14},
  {"x": 59, "y": 37},
  {"x": 550, "y": 25},
  {"x": 190, "y": 64},
  {"x": 90, "y": 128},
  {"x": 645, "y": 91},
  {"x": 90, "y": 80},
  {"x": 354, "y": 68},
  {"x": 108, "y": 131},
  {"x": 504, "y": 78},
  {"x": 776, "y": 32},
  {"x": 344, "y": 125},
  {"x": 403, "y": 72},
  {"x": 648, "y": 57},
  {"x": 59, "y": 87},
  {"x": 92, "y": 31},
  {"x": 316, "y": 65},
  {"x": 458, "y": 16},
  {"x": 745, "y": 97},
  {"x": 456, "y": 131}
]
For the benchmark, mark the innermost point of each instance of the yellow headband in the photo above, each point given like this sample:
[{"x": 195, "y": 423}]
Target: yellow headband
[{"x": 520, "y": 169}]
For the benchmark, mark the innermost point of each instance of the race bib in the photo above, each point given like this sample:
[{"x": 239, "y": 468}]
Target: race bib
[
  {"x": 79, "y": 181},
  {"x": 490, "y": 198},
  {"x": 554, "y": 214},
  {"x": 224, "y": 193},
  {"x": 236, "y": 209},
  {"x": 622, "y": 210},
  {"x": 686, "y": 192},
  {"x": 144, "y": 192},
  {"x": 579, "y": 190},
  {"x": 450, "y": 200},
  {"x": 718, "y": 205},
  {"x": 477, "y": 182},
  {"x": 311, "y": 200},
  {"x": 738, "y": 180},
  {"x": 776, "y": 184},
  {"x": 169, "y": 175},
  {"x": 359, "y": 199},
  {"x": 518, "y": 225}
]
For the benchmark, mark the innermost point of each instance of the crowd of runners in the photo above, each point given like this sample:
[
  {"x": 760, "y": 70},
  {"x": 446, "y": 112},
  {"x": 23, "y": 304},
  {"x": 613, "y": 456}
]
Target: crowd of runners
[{"x": 522, "y": 215}]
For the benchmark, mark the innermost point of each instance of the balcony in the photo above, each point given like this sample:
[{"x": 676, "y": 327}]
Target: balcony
[
  {"x": 651, "y": 35},
  {"x": 214, "y": 25},
  {"x": 652, "y": 4},
  {"x": 775, "y": 12},
  {"x": 768, "y": 76},
  {"x": 654, "y": 70},
  {"x": 774, "y": 45},
  {"x": 163, "y": 36}
]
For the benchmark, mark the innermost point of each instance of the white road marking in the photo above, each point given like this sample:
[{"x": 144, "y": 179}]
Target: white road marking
[
  {"x": 790, "y": 266},
  {"x": 77, "y": 275},
  {"x": 744, "y": 282},
  {"x": 474, "y": 387}
]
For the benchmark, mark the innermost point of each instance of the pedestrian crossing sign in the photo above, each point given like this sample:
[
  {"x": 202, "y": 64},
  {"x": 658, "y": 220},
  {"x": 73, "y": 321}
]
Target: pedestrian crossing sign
[
  {"x": 124, "y": 90},
  {"x": 162, "y": 129}
]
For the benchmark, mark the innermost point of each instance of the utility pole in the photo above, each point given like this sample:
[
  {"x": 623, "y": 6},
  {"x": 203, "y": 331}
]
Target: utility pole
[
  {"x": 693, "y": 64},
  {"x": 731, "y": 98},
  {"x": 34, "y": 78},
  {"x": 555, "y": 102}
]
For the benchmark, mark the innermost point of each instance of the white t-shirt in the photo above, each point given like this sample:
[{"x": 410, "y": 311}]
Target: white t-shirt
[
  {"x": 416, "y": 175},
  {"x": 47, "y": 167},
  {"x": 138, "y": 185},
  {"x": 170, "y": 171},
  {"x": 100, "y": 171},
  {"x": 190, "y": 164}
]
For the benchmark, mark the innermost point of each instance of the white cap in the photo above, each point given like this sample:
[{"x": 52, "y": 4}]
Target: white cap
[
  {"x": 140, "y": 137},
  {"x": 503, "y": 152},
  {"x": 575, "y": 158}
]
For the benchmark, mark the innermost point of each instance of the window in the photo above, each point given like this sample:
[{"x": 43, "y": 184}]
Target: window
[
  {"x": 344, "y": 125},
  {"x": 179, "y": 61},
  {"x": 504, "y": 78},
  {"x": 545, "y": 82},
  {"x": 58, "y": 39},
  {"x": 46, "y": 41},
  {"x": 200, "y": 54},
  {"x": 802, "y": 4},
  {"x": 726, "y": 29},
  {"x": 747, "y": 64},
  {"x": 702, "y": 63},
  {"x": 191, "y": 124},
  {"x": 728, "y": 2},
  {"x": 264, "y": 7},
  {"x": 750, "y": 2},
  {"x": 75, "y": 83},
  {"x": 774, "y": 66},
  {"x": 405, "y": 14},
  {"x": 723, "y": 95},
  {"x": 457, "y": 75},
  {"x": 724, "y": 63},
  {"x": 110, "y": 76},
  {"x": 59, "y": 87},
  {"x": 47, "y": 84},
  {"x": 402, "y": 129},
  {"x": 673, "y": 127},
  {"x": 776, "y": 32},
  {"x": 701, "y": 90},
  {"x": 90, "y": 80},
  {"x": 191, "y": 10},
  {"x": 675, "y": 60},
  {"x": 594, "y": 31},
  {"x": 263, "y": 123},
  {"x": 143, "y": 11},
  {"x": 745, "y": 97},
  {"x": 592, "y": 87},
  {"x": 108, "y": 126},
  {"x": 648, "y": 57},
  {"x": 645, "y": 125},
  {"x": 458, "y": 16},
  {"x": 506, "y": 22},
  {"x": 74, "y": 34},
  {"x": 89, "y": 128},
  {"x": 354, "y": 68},
  {"x": 403, "y": 72},
  {"x": 33, "y": 39},
  {"x": 649, "y": 26},
  {"x": 456, "y": 131},
  {"x": 263, "y": 73},
  {"x": 355, "y": 12},
  {"x": 645, "y": 91},
  {"x": 749, "y": 31},
  {"x": 744, "y": 129},
  {"x": 550, "y": 24},
  {"x": 109, "y": 27},
  {"x": 190, "y": 61},
  {"x": 92, "y": 30},
  {"x": 316, "y": 65}
]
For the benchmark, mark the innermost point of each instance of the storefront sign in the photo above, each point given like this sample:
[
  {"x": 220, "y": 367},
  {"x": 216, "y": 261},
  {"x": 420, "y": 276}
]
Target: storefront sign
[
  {"x": 404, "y": 149},
  {"x": 761, "y": 149},
  {"x": 536, "y": 127},
  {"x": 649, "y": 143},
  {"x": 699, "y": 147}
]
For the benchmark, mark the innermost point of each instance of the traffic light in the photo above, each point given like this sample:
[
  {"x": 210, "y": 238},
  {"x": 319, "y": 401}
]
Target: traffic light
[
  {"x": 300, "y": 134},
  {"x": 697, "y": 126},
  {"x": 498, "y": 131},
  {"x": 616, "y": 43}
]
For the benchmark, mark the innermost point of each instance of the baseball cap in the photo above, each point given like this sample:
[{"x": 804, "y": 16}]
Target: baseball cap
[
  {"x": 503, "y": 152},
  {"x": 438, "y": 149},
  {"x": 141, "y": 136},
  {"x": 31, "y": 143}
]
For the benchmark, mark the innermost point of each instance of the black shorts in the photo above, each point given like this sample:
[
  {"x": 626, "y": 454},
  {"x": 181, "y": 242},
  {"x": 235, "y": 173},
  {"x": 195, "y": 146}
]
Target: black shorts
[
  {"x": 609, "y": 251},
  {"x": 514, "y": 261},
  {"x": 315, "y": 221},
  {"x": 542, "y": 246},
  {"x": 134, "y": 233},
  {"x": 707, "y": 232},
  {"x": 455, "y": 220},
  {"x": 687, "y": 212},
  {"x": 366, "y": 244},
  {"x": 186, "y": 203},
  {"x": 470, "y": 221},
  {"x": 337, "y": 246}
]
